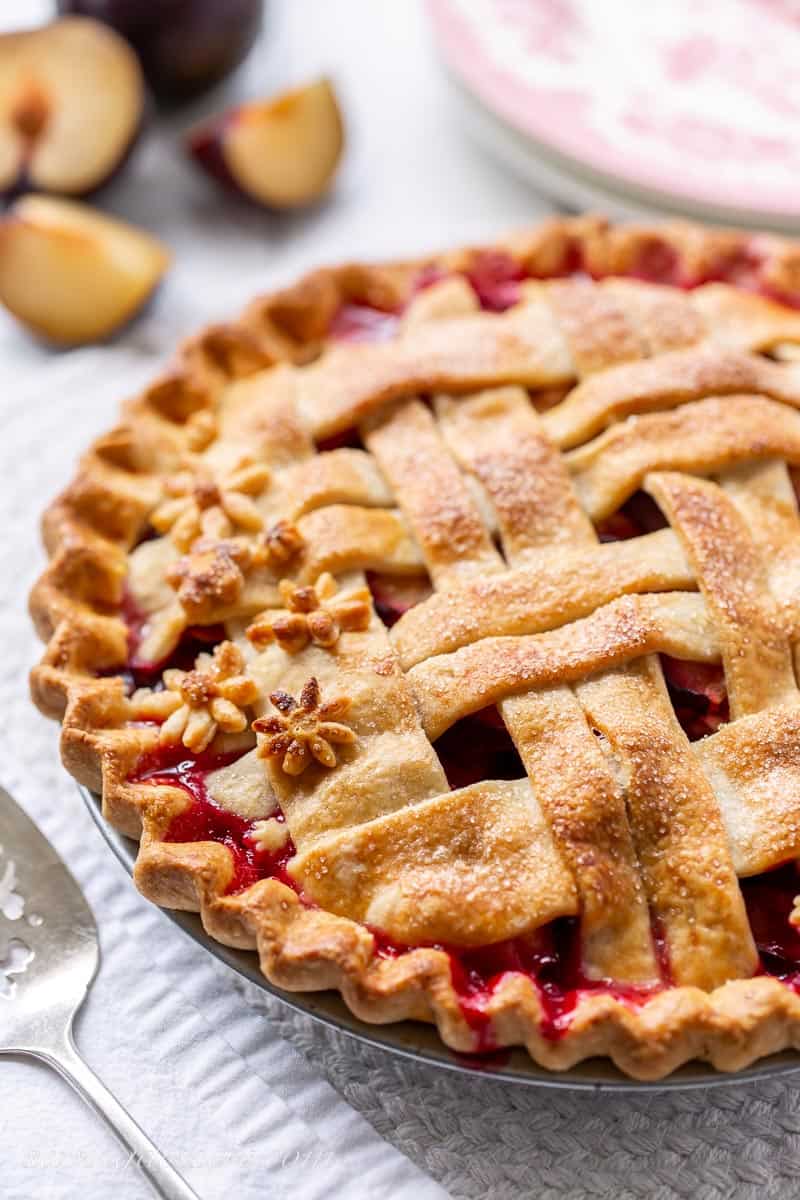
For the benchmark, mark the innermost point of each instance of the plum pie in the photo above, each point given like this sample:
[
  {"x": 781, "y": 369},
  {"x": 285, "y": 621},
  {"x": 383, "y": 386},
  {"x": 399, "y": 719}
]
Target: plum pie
[{"x": 435, "y": 626}]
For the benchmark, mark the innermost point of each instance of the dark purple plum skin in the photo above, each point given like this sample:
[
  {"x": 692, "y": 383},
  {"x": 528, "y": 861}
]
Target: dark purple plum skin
[
  {"x": 185, "y": 46},
  {"x": 205, "y": 143}
]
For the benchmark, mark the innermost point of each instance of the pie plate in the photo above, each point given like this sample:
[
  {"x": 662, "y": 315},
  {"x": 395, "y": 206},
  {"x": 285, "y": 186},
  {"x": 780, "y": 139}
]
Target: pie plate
[
  {"x": 421, "y": 1043},
  {"x": 661, "y": 107}
]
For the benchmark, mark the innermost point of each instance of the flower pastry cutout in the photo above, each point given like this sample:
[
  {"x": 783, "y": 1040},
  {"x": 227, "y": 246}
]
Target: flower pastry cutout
[
  {"x": 269, "y": 835},
  {"x": 203, "y": 503},
  {"x": 318, "y": 613},
  {"x": 279, "y": 544},
  {"x": 196, "y": 705},
  {"x": 210, "y": 578},
  {"x": 201, "y": 430},
  {"x": 304, "y": 730}
]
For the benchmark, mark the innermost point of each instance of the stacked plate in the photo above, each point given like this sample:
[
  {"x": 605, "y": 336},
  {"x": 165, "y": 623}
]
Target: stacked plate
[{"x": 669, "y": 106}]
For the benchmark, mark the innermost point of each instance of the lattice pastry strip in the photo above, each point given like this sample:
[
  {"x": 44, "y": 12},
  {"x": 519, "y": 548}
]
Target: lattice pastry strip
[
  {"x": 705, "y": 437},
  {"x": 585, "y": 808},
  {"x": 361, "y": 668},
  {"x": 448, "y": 526},
  {"x": 606, "y": 827},
  {"x": 495, "y": 437},
  {"x": 753, "y": 766},
  {"x": 558, "y": 587},
  {"x": 611, "y": 883},
  {"x": 763, "y": 493},
  {"x": 666, "y": 382},
  {"x": 450, "y": 297},
  {"x": 751, "y": 762},
  {"x": 451, "y": 686},
  {"x": 754, "y": 643},
  {"x": 527, "y": 346},
  {"x": 681, "y": 841},
  {"x": 522, "y": 346},
  {"x": 659, "y": 316},
  {"x": 597, "y": 327},
  {"x": 470, "y": 868}
]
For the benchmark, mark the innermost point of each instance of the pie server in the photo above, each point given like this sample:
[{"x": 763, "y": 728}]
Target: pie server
[{"x": 48, "y": 958}]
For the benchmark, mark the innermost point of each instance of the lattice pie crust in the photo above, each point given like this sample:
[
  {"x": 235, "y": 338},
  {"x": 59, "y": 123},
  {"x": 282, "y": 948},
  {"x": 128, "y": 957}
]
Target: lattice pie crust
[{"x": 247, "y": 492}]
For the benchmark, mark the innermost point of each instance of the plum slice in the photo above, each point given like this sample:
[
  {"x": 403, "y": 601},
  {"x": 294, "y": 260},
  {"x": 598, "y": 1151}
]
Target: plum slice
[{"x": 71, "y": 105}]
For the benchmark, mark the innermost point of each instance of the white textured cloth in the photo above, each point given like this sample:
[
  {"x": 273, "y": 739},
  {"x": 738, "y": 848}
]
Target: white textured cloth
[{"x": 246, "y": 1097}]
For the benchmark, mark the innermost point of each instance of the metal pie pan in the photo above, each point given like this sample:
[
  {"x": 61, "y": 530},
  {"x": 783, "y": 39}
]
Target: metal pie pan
[{"x": 420, "y": 1042}]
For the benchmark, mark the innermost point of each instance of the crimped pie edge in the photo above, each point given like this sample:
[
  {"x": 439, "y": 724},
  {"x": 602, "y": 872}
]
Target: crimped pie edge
[{"x": 88, "y": 530}]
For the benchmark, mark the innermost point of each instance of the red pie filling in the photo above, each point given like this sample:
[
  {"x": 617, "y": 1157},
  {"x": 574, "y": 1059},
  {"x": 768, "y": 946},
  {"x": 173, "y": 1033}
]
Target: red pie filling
[
  {"x": 363, "y": 323},
  {"x": 698, "y": 694},
  {"x": 137, "y": 672},
  {"x": 638, "y": 516},
  {"x": 394, "y": 595},
  {"x": 480, "y": 747},
  {"x": 550, "y": 957},
  {"x": 770, "y": 899},
  {"x": 496, "y": 277},
  {"x": 204, "y": 821}
]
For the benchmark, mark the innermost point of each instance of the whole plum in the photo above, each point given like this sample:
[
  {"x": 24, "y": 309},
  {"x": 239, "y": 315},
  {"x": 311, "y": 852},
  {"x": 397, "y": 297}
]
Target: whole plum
[{"x": 185, "y": 46}]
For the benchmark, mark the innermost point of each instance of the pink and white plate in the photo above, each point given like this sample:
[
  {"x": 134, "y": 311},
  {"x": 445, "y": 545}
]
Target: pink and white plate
[{"x": 690, "y": 105}]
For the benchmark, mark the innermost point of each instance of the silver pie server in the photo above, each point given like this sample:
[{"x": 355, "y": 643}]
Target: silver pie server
[{"x": 48, "y": 958}]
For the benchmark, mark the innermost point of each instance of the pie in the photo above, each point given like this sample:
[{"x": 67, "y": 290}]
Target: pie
[{"x": 436, "y": 628}]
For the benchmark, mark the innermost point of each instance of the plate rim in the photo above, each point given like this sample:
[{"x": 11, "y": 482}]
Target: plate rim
[
  {"x": 626, "y": 192},
  {"x": 406, "y": 1038},
  {"x": 576, "y": 187}
]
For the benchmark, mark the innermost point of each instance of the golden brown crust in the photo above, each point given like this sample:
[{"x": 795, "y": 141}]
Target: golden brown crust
[
  {"x": 560, "y": 332},
  {"x": 451, "y": 686}
]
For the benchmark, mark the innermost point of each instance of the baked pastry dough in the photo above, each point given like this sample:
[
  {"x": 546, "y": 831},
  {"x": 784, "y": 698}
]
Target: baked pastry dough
[{"x": 435, "y": 627}]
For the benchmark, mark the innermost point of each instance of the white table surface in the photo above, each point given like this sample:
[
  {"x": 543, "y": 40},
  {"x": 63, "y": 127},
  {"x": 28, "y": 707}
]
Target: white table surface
[
  {"x": 409, "y": 181},
  {"x": 245, "y": 1097}
]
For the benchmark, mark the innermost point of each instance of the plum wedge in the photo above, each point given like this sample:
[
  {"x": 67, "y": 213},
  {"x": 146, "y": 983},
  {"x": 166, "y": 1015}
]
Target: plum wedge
[
  {"x": 71, "y": 274},
  {"x": 281, "y": 153}
]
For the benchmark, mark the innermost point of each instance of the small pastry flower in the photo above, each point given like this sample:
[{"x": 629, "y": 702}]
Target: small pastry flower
[
  {"x": 196, "y": 704},
  {"x": 281, "y": 542},
  {"x": 204, "y": 504},
  {"x": 200, "y": 430},
  {"x": 304, "y": 730},
  {"x": 317, "y": 613},
  {"x": 210, "y": 579},
  {"x": 269, "y": 836}
]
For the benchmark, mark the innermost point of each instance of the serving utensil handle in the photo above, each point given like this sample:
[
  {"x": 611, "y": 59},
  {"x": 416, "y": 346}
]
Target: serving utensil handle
[{"x": 156, "y": 1168}]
